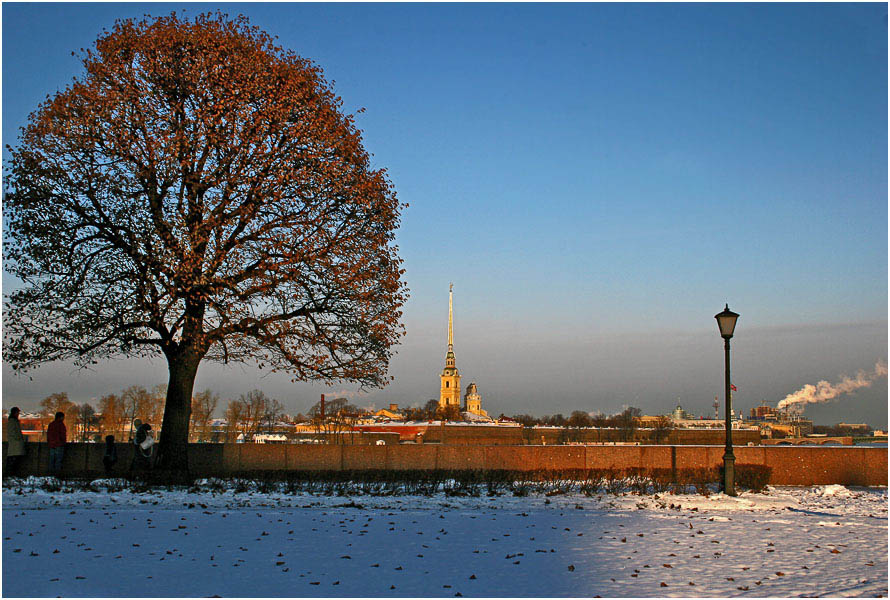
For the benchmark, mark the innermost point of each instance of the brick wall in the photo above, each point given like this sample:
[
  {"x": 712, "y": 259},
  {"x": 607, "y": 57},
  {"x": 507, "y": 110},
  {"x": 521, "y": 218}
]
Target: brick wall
[
  {"x": 359, "y": 438},
  {"x": 791, "y": 465},
  {"x": 481, "y": 435},
  {"x": 677, "y": 437}
]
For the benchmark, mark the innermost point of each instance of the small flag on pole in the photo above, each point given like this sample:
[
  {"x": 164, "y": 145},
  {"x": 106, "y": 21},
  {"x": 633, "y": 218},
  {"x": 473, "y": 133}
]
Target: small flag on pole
[{"x": 733, "y": 388}]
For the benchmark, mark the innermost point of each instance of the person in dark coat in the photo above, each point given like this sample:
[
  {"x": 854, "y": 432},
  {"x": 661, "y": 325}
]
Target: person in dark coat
[
  {"x": 56, "y": 437},
  {"x": 109, "y": 459},
  {"x": 15, "y": 447}
]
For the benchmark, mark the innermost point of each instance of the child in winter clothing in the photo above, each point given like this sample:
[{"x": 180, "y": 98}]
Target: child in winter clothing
[{"x": 109, "y": 459}]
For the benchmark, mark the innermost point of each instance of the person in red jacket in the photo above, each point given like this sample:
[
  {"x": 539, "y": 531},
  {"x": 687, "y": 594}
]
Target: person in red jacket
[{"x": 56, "y": 436}]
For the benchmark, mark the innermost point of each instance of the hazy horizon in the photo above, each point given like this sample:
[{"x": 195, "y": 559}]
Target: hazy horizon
[
  {"x": 597, "y": 180},
  {"x": 581, "y": 374}
]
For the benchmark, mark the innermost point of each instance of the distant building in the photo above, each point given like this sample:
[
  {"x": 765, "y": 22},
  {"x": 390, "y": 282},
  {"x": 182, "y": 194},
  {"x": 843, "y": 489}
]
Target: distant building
[
  {"x": 855, "y": 428},
  {"x": 33, "y": 427},
  {"x": 264, "y": 438},
  {"x": 648, "y": 421},
  {"x": 787, "y": 428},
  {"x": 764, "y": 413},
  {"x": 449, "y": 390},
  {"x": 449, "y": 380},
  {"x": 681, "y": 415},
  {"x": 473, "y": 401},
  {"x": 803, "y": 426},
  {"x": 392, "y": 412}
]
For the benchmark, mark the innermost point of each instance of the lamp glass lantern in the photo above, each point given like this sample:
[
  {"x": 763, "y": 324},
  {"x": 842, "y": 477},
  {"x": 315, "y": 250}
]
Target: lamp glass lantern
[{"x": 726, "y": 321}]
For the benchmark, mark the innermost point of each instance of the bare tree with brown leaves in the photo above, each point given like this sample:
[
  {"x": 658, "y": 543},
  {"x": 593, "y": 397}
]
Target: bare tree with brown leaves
[
  {"x": 86, "y": 421},
  {"x": 54, "y": 403},
  {"x": 203, "y": 407},
  {"x": 114, "y": 416},
  {"x": 661, "y": 428},
  {"x": 235, "y": 416},
  {"x": 141, "y": 404},
  {"x": 198, "y": 194}
]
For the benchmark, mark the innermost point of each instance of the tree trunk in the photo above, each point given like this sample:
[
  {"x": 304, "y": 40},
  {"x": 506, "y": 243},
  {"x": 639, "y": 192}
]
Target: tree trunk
[{"x": 173, "y": 448}]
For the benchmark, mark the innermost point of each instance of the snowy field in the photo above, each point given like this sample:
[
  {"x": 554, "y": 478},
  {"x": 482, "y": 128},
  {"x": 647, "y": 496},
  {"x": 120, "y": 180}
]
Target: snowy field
[{"x": 823, "y": 541}]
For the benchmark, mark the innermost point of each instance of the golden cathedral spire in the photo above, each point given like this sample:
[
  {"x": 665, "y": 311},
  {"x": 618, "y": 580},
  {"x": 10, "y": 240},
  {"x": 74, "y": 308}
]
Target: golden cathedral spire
[
  {"x": 449, "y": 356},
  {"x": 449, "y": 392},
  {"x": 450, "y": 317}
]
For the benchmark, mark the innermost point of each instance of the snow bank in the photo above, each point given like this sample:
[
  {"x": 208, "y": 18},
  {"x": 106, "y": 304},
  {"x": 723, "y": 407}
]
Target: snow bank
[{"x": 838, "y": 491}]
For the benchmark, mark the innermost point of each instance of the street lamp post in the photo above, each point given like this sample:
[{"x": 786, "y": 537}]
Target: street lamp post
[{"x": 726, "y": 321}]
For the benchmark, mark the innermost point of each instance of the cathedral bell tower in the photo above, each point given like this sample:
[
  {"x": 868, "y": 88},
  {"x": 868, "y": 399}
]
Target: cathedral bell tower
[{"x": 449, "y": 392}]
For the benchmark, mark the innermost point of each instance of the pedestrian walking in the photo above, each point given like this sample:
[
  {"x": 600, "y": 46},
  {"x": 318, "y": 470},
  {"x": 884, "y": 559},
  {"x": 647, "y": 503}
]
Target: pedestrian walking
[
  {"x": 57, "y": 437},
  {"x": 15, "y": 448},
  {"x": 109, "y": 459}
]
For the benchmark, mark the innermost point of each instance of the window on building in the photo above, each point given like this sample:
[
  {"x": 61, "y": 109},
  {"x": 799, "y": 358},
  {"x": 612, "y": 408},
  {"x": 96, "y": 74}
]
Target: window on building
[{"x": 446, "y": 384}]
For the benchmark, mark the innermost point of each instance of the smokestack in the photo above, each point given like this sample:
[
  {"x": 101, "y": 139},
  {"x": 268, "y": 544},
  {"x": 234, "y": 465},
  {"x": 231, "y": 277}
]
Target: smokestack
[
  {"x": 322, "y": 408},
  {"x": 824, "y": 391}
]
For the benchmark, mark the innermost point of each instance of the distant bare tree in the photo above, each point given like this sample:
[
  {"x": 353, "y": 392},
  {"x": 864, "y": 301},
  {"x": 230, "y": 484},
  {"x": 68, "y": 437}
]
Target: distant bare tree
[
  {"x": 54, "y": 403},
  {"x": 272, "y": 413},
  {"x": 135, "y": 399},
  {"x": 344, "y": 420},
  {"x": 430, "y": 409},
  {"x": 339, "y": 416},
  {"x": 254, "y": 408},
  {"x": 157, "y": 403},
  {"x": 579, "y": 418},
  {"x": 661, "y": 428},
  {"x": 331, "y": 406},
  {"x": 203, "y": 407},
  {"x": 113, "y": 419},
  {"x": 324, "y": 421},
  {"x": 85, "y": 420},
  {"x": 234, "y": 420},
  {"x": 146, "y": 406},
  {"x": 599, "y": 420},
  {"x": 556, "y": 420},
  {"x": 526, "y": 420},
  {"x": 415, "y": 413},
  {"x": 626, "y": 422},
  {"x": 450, "y": 412}
]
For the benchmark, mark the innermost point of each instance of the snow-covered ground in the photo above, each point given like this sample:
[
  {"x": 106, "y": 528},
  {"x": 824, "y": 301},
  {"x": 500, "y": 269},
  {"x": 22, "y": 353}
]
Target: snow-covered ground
[{"x": 823, "y": 541}]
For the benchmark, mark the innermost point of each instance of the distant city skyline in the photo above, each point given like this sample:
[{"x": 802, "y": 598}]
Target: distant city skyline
[
  {"x": 596, "y": 180},
  {"x": 656, "y": 390}
]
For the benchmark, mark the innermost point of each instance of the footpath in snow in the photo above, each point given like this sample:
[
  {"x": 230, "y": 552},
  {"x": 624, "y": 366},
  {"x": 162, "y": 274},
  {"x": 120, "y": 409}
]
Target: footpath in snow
[{"x": 823, "y": 541}]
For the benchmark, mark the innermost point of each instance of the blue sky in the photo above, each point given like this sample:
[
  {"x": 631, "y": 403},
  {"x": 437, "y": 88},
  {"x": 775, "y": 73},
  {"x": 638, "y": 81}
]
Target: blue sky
[{"x": 596, "y": 180}]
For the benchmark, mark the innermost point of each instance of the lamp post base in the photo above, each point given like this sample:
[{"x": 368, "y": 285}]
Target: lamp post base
[{"x": 729, "y": 474}]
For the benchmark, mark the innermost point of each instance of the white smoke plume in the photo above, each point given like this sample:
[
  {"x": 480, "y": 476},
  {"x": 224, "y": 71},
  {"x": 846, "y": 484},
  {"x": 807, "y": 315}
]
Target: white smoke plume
[
  {"x": 824, "y": 391},
  {"x": 345, "y": 393}
]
